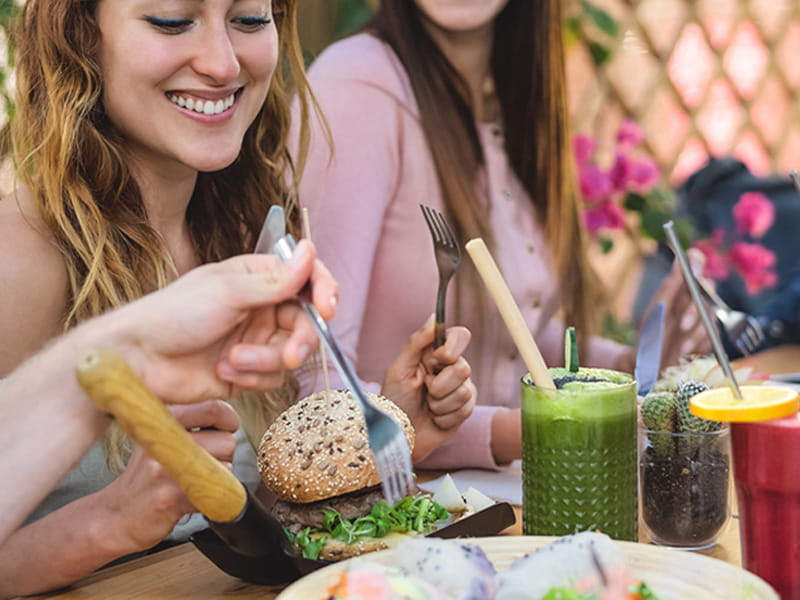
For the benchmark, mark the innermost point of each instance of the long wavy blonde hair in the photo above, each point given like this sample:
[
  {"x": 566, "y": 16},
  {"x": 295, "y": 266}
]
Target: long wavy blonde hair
[{"x": 72, "y": 158}]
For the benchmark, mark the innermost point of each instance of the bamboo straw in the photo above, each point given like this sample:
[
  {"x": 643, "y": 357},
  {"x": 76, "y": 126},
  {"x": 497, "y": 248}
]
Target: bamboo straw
[
  {"x": 322, "y": 354},
  {"x": 510, "y": 312}
]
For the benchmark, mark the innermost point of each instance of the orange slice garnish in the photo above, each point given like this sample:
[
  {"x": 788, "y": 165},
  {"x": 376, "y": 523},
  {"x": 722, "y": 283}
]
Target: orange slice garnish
[{"x": 759, "y": 403}]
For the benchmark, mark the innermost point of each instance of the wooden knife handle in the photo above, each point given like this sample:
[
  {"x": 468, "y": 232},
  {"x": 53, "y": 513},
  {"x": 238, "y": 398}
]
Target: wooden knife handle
[{"x": 115, "y": 389}]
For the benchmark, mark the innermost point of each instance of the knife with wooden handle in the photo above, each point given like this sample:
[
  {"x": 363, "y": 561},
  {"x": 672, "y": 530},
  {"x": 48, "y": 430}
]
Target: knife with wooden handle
[
  {"x": 115, "y": 389},
  {"x": 250, "y": 537}
]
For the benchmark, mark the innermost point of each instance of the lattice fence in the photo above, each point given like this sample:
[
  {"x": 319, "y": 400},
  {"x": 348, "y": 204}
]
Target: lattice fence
[{"x": 704, "y": 77}]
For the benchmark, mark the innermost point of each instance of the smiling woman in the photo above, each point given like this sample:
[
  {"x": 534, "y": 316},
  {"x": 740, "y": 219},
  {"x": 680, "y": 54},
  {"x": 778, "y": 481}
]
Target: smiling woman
[{"x": 150, "y": 139}]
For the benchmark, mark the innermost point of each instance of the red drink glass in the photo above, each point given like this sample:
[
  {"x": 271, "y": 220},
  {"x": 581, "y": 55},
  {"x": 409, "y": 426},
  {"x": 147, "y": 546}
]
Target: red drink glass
[{"x": 766, "y": 462}]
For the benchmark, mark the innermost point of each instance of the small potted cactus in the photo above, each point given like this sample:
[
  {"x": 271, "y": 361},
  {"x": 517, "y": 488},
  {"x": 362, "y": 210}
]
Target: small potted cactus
[{"x": 684, "y": 469}]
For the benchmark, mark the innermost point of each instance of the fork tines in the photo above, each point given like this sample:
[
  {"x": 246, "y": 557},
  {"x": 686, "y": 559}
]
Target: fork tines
[
  {"x": 439, "y": 228},
  {"x": 448, "y": 257},
  {"x": 751, "y": 336},
  {"x": 394, "y": 466}
]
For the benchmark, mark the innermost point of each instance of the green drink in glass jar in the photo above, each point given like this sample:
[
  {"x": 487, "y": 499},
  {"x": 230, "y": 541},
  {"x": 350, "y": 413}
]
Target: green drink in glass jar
[{"x": 579, "y": 454}]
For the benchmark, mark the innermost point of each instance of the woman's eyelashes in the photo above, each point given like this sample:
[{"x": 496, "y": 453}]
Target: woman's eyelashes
[
  {"x": 171, "y": 26},
  {"x": 175, "y": 26}
]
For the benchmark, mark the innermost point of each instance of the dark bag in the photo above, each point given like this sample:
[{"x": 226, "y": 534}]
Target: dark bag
[{"x": 707, "y": 199}]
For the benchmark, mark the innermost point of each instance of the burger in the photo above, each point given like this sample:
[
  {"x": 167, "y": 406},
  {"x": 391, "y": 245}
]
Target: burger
[{"x": 316, "y": 459}]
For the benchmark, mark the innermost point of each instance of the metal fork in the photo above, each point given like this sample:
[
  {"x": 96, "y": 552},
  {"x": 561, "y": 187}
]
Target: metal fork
[
  {"x": 448, "y": 257},
  {"x": 386, "y": 438},
  {"x": 742, "y": 330}
]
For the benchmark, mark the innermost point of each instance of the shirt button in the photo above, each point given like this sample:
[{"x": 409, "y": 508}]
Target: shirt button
[
  {"x": 497, "y": 132},
  {"x": 513, "y": 355},
  {"x": 507, "y": 194},
  {"x": 530, "y": 249},
  {"x": 536, "y": 303}
]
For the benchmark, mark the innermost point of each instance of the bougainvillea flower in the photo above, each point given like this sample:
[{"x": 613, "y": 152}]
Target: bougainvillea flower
[
  {"x": 604, "y": 215},
  {"x": 620, "y": 172},
  {"x": 716, "y": 266},
  {"x": 643, "y": 173},
  {"x": 595, "y": 184},
  {"x": 753, "y": 214},
  {"x": 630, "y": 134},
  {"x": 755, "y": 264},
  {"x": 583, "y": 146}
]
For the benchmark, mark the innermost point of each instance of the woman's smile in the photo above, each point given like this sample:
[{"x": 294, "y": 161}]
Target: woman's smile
[{"x": 202, "y": 106}]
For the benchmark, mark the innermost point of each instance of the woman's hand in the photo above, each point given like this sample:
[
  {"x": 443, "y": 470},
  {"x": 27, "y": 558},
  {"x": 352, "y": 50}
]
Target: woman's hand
[
  {"x": 225, "y": 326},
  {"x": 144, "y": 503},
  {"x": 684, "y": 334},
  {"x": 433, "y": 386}
]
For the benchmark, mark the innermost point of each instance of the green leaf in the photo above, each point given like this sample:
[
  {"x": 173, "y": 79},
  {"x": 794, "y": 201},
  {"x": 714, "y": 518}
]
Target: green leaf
[
  {"x": 634, "y": 201},
  {"x": 606, "y": 244},
  {"x": 652, "y": 224},
  {"x": 600, "y": 54},
  {"x": 571, "y": 350},
  {"x": 572, "y": 31},
  {"x": 351, "y": 16},
  {"x": 600, "y": 18}
]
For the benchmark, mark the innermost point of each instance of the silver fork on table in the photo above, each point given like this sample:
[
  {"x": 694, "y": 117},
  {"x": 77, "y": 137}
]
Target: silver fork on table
[
  {"x": 387, "y": 441},
  {"x": 742, "y": 330},
  {"x": 448, "y": 257}
]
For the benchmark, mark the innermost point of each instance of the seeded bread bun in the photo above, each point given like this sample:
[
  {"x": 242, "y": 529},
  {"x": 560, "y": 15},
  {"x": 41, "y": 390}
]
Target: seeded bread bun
[{"x": 318, "y": 448}]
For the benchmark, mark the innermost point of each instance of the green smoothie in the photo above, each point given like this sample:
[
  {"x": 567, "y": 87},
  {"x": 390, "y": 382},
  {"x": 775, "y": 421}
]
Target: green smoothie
[{"x": 579, "y": 454}]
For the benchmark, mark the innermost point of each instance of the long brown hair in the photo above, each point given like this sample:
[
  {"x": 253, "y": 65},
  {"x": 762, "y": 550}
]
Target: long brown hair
[
  {"x": 527, "y": 66},
  {"x": 72, "y": 158}
]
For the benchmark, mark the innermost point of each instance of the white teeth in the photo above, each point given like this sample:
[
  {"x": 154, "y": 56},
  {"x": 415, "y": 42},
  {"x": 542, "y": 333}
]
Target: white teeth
[{"x": 203, "y": 107}]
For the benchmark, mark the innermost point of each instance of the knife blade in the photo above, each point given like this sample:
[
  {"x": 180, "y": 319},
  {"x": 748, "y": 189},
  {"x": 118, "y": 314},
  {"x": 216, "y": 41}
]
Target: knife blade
[
  {"x": 648, "y": 351},
  {"x": 273, "y": 229}
]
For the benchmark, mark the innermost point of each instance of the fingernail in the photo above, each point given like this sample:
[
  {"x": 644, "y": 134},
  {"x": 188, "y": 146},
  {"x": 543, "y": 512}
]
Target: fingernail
[
  {"x": 245, "y": 358},
  {"x": 303, "y": 352},
  {"x": 300, "y": 252},
  {"x": 334, "y": 301}
]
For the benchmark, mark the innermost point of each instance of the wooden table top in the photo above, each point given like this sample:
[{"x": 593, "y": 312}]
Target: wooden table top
[{"x": 183, "y": 572}]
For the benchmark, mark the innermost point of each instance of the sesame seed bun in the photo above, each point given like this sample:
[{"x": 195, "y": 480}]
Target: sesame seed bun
[{"x": 318, "y": 448}]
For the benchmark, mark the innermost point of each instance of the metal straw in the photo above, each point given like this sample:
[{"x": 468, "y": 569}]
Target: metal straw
[
  {"x": 795, "y": 180},
  {"x": 719, "y": 351}
]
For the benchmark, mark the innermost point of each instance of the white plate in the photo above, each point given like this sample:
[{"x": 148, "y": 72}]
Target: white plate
[{"x": 673, "y": 574}]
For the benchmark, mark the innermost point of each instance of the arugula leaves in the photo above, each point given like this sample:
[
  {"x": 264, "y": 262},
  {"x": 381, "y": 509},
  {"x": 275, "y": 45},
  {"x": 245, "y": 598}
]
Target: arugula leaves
[{"x": 410, "y": 515}]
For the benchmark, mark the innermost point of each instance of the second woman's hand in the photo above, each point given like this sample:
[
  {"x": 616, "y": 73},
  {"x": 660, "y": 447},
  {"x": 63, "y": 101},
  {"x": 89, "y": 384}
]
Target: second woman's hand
[{"x": 436, "y": 402}]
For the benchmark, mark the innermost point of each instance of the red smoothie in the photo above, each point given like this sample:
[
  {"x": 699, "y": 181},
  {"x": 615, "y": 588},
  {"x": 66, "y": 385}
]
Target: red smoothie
[{"x": 766, "y": 461}]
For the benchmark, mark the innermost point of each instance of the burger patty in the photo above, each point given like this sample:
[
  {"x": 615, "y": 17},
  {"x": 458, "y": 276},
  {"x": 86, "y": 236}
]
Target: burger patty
[{"x": 296, "y": 516}]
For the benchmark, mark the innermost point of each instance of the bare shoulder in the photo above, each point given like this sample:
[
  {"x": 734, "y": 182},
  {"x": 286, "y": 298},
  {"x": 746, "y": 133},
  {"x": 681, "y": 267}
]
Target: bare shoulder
[{"x": 33, "y": 281}]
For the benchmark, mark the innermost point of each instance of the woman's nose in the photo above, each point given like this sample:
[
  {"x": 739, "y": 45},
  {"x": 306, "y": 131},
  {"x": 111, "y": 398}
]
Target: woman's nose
[{"x": 216, "y": 57}]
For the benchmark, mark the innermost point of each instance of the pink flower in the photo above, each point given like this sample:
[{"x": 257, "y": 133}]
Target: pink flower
[
  {"x": 583, "y": 146},
  {"x": 620, "y": 172},
  {"x": 644, "y": 174},
  {"x": 753, "y": 214},
  {"x": 755, "y": 264},
  {"x": 716, "y": 266},
  {"x": 595, "y": 184},
  {"x": 630, "y": 134},
  {"x": 605, "y": 214}
]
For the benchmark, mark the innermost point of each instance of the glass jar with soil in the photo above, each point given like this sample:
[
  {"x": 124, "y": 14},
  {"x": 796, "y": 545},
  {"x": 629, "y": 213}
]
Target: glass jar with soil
[{"x": 685, "y": 486}]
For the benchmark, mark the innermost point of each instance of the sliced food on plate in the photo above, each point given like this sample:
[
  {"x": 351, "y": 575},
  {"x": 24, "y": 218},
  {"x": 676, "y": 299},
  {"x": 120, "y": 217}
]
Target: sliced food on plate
[
  {"x": 583, "y": 566},
  {"x": 578, "y": 567}
]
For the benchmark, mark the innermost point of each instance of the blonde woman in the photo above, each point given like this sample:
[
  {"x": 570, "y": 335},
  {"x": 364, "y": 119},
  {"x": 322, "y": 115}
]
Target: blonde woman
[{"x": 148, "y": 139}]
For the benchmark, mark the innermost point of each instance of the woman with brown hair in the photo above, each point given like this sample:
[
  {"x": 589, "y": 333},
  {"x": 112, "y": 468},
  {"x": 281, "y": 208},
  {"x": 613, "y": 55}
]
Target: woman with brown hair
[
  {"x": 461, "y": 106},
  {"x": 149, "y": 138}
]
